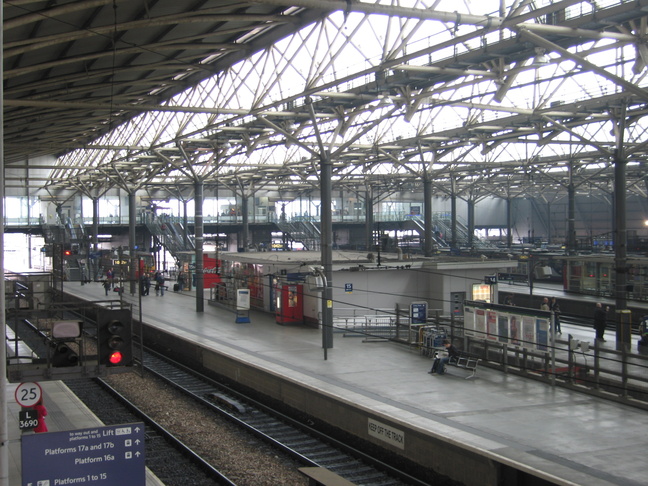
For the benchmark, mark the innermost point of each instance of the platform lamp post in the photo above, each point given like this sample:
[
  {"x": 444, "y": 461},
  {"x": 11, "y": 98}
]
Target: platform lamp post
[{"x": 326, "y": 238}]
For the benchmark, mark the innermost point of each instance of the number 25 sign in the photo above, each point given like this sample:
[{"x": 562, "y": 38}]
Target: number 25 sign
[{"x": 28, "y": 394}]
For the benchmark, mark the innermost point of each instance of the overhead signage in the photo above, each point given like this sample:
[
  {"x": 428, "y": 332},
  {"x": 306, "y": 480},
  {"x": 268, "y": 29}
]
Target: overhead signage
[{"x": 99, "y": 455}]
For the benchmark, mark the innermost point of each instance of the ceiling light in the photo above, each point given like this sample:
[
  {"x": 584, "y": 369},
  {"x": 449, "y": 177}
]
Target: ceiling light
[{"x": 541, "y": 58}]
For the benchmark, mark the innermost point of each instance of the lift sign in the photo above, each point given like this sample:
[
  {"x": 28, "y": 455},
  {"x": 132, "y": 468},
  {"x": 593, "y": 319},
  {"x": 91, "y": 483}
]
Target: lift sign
[{"x": 101, "y": 455}]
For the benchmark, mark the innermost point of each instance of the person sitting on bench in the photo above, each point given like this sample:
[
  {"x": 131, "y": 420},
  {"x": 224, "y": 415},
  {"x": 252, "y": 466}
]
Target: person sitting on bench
[{"x": 439, "y": 363}]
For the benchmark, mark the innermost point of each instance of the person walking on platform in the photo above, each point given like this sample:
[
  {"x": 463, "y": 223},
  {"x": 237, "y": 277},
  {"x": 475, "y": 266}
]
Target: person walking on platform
[
  {"x": 110, "y": 276},
  {"x": 439, "y": 363},
  {"x": 545, "y": 304},
  {"x": 106, "y": 286},
  {"x": 554, "y": 306},
  {"x": 600, "y": 320}
]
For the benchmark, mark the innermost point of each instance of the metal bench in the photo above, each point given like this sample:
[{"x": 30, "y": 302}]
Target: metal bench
[
  {"x": 320, "y": 476},
  {"x": 465, "y": 361}
]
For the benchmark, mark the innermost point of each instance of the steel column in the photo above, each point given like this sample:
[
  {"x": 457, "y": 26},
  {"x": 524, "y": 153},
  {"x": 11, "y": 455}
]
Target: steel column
[
  {"x": 198, "y": 231},
  {"x": 132, "y": 244}
]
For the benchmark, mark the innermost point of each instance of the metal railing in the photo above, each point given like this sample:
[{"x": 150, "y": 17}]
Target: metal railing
[{"x": 619, "y": 375}]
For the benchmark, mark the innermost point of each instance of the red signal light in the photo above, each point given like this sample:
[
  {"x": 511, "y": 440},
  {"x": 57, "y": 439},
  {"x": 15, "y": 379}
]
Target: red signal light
[
  {"x": 67, "y": 252},
  {"x": 115, "y": 357}
]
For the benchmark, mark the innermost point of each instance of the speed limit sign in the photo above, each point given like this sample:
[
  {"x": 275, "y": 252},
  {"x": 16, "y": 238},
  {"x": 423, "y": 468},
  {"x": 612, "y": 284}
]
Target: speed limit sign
[{"x": 28, "y": 394}]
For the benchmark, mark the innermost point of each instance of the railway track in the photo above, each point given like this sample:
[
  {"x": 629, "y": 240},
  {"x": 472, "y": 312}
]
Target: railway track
[
  {"x": 173, "y": 462},
  {"x": 301, "y": 442},
  {"x": 168, "y": 458}
]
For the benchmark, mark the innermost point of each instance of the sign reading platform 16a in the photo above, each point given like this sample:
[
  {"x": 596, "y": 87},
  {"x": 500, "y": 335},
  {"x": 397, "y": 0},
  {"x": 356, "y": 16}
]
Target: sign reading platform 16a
[{"x": 112, "y": 455}]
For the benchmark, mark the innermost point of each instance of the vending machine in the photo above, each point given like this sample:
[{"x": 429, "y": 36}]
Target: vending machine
[{"x": 289, "y": 303}]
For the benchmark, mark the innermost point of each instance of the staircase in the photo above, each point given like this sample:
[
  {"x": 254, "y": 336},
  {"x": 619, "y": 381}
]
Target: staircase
[
  {"x": 171, "y": 234},
  {"x": 442, "y": 223},
  {"x": 305, "y": 232}
]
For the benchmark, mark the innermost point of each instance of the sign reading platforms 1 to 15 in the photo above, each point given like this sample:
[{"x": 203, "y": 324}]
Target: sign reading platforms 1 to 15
[{"x": 101, "y": 455}]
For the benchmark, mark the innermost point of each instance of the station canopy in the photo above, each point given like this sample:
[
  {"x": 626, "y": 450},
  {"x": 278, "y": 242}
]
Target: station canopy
[{"x": 506, "y": 98}]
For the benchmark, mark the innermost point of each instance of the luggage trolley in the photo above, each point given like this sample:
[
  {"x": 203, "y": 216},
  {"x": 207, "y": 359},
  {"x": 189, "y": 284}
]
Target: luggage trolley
[{"x": 433, "y": 337}]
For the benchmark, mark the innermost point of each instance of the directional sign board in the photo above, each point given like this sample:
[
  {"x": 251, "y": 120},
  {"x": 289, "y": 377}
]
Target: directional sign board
[
  {"x": 100, "y": 455},
  {"x": 418, "y": 312}
]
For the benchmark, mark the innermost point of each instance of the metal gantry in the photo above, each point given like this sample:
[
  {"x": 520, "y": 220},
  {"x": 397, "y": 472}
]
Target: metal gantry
[{"x": 501, "y": 98}]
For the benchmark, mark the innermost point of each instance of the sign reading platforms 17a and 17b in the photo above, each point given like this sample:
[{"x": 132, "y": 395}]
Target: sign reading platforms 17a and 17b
[{"x": 100, "y": 455}]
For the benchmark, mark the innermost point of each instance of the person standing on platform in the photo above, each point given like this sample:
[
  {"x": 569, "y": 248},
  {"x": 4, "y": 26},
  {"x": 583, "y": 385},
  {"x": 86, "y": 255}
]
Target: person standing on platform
[
  {"x": 41, "y": 413},
  {"x": 545, "y": 304},
  {"x": 147, "y": 284},
  {"x": 159, "y": 280},
  {"x": 554, "y": 306},
  {"x": 106, "y": 285},
  {"x": 439, "y": 363},
  {"x": 110, "y": 276},
  {"x": 600, "y": 320}
]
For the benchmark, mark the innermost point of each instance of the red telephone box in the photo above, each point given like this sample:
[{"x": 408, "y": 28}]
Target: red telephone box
[{"x": 289, "y": 307}]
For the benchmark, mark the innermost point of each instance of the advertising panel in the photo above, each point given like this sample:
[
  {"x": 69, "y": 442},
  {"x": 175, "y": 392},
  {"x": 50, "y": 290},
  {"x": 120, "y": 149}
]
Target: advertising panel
[
  {"x": 482, "y": 292},
  {"x": 528, "y": 331},
  {"x": 515, "y": 324},
  {"x": 503, "y": 328},
  {"x": 492, "y": 325},
  {"x": 480, "y": 323},
  {"x": 526, "y": 328},
  {"x": 469, "y": 321},
  {"x": 542, "y": 334}
]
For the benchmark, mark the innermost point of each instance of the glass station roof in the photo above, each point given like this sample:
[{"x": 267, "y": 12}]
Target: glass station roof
[{"x": 486, "y": 97}]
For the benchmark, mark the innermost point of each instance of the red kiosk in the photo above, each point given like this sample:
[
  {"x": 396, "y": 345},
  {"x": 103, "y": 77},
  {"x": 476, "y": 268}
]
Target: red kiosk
[{"x": 289, "y": 308}]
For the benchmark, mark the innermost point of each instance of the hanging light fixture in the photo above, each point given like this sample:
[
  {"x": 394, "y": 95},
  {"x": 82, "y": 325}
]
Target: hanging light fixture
[{"x": 541, "y": 58}]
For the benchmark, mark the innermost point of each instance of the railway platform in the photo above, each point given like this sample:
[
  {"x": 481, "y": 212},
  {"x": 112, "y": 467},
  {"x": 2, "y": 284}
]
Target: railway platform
[
  {"x": 562, "y": 436},
  {"x": 64, "y": 412}
]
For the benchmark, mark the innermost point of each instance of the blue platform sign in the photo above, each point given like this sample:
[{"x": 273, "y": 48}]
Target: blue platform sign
[
  {"x": 418, "y": 312},
  {"x": 100, "y": 455}
]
